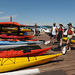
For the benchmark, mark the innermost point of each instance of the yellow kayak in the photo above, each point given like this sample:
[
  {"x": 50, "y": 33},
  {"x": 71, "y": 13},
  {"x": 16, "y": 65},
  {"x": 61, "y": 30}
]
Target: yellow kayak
[
  {"x": 65, "y": 39},
  {"x": 9, "y": 64},
  {"x": 27, "y": 30},
  {"x": 15, "y": 29}
]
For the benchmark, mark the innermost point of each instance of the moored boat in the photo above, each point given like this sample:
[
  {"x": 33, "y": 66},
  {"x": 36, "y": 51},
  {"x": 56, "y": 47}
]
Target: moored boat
[
  {"x": 16, "y": 37},
  {"x": 15, "y": 29},
  {"x": 72, "y": 40},
  {"x": 17, "y": 53},
  {"x": 20, "y": 42},
  {"x": 9, "y": 64}
]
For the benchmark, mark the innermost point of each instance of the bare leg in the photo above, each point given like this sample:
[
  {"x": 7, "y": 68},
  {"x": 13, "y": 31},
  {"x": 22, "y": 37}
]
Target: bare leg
[
  {"x": 61, "y": 42},
  {"x": 69, "y": 45},
  {"x": 53, "y": 40}
]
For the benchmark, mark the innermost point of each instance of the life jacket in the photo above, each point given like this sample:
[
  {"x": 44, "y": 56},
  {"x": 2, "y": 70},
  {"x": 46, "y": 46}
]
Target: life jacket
[
  {"x": 69, "y": 32},
  {"x": 60, "y": 29}
]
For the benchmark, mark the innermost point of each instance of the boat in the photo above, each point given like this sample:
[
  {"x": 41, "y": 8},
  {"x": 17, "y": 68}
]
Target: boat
[
  {"x": 23, "y": 52},
  {"x": 10, "y": 46},
  {"x": 16, "y": 29},
  {"x": 15, "y": 46},
  {"x": 13, "y": 26},
  {"x": 9, "y": 24},
  {"x": 24, "y": 47},
  {"x": 72, "y": 40},
  {"x": 20, "y": 42},
  {"x": 10, "y": 64},
  {"x": 16, "y": 37},
  {"x": 23, "y": 72}
]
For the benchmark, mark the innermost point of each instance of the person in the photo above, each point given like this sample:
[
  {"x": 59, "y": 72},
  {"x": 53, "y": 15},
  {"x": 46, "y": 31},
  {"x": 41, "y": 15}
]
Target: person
[
  {"x": 35, "y": 29},
  {"x": 70, "y": 33},
  {"x": 60, "y": 34},
  {"x": 54, "y": 32}
]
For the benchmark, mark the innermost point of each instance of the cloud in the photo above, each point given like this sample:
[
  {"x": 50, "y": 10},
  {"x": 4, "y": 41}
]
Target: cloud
[
  {"x": 7, "y": 17},
  {"x": 1, "y": 12}
]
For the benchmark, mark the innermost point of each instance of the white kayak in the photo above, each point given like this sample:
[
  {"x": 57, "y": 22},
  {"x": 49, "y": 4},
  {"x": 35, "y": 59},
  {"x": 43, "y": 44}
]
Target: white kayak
[
  {"x": 10, "y": 46},
  {"x": 23, "y": 72},
  {"x": 20, "y": 42}
]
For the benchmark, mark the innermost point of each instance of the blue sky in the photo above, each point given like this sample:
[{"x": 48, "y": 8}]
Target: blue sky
[{"x": 38, "y": 11}]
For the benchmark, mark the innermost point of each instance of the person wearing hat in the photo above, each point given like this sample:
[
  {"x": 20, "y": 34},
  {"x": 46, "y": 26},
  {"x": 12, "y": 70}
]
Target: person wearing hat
[
  {"x": 70, "y": 34},
  {"x": 60, "y": 34},
  {"x": 54, "y": 32}
]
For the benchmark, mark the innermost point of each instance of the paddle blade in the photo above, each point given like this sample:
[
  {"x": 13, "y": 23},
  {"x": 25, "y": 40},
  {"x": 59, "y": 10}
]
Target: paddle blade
[
  {"x": 47, "y": 42},
  {"x": 64, "y": 50}
]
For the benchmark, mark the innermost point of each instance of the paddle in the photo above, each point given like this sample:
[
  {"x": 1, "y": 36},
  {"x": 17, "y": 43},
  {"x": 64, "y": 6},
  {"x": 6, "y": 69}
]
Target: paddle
[
  {"x": 64, "y": 50},
  {"x": 47, "y": 42}
]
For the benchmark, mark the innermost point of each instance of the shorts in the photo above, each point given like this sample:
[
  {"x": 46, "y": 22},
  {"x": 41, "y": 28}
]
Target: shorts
[
  {"x": 50, "y": 34},
  {"x": 59, "y": 36},
  {"x": 69, "y": 37},
  {"x": 54, "y": 36}
]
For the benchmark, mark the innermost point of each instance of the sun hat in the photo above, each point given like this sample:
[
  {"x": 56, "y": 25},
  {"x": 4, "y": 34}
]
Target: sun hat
[
  {"x": 60, "y": 24},
  {"x": 69, "y": 24}
]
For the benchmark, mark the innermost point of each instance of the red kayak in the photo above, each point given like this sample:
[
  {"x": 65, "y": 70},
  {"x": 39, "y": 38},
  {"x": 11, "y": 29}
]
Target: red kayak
[
  {"x": 18, "y": 53},
  {"x": 16, "y": 37},
  {"x": 11, "y": 23},
  {"x": 32, "y": 40},
  {"x": 19, "y": 40}
]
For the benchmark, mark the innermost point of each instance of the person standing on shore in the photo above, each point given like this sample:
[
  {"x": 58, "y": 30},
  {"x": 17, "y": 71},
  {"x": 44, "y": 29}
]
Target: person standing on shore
[
  {"x": 70, "y": 34},
  {"x": 35, "y": 29},
  {"x": 60, "y": 34},
  {"x": 54, "y": 32}
]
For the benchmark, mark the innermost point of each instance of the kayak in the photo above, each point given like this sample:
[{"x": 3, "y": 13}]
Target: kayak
[
  {"x": 13, "y": 33},
  {"x": 23, "y": 72},
  {"x": 24, "y": 52},
  {"x": 9, "y": 64},
  {"x": 15, "y": 29},
  {"x": 11, "y": 46},
  {"x": 25, "y": 30},
  {"x": 16, "y": 37},
  {"x": 9, "y": 24},
  {"x": 20, "y": 42},
  {"x": 10, "y": 39},
  {"x": 28, "y": 47},
  {"x": 72, "y": 40},
  {"x": 65, "y": 38}
]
